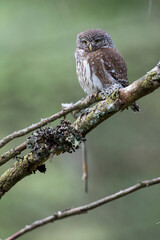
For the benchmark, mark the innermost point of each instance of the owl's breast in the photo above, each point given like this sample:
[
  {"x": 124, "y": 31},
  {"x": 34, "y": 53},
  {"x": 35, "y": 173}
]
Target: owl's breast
[{"x": 86, "y": 74}]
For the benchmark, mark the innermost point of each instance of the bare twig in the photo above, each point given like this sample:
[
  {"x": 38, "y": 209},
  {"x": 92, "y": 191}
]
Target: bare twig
[
  {"x": 85, "y": 166},
  {"x": 83, "y": 209},
  {"x": 84, "y": 159}
]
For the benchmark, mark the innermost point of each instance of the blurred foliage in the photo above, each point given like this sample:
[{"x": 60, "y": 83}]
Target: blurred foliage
[{"x": 37, "y": 72}]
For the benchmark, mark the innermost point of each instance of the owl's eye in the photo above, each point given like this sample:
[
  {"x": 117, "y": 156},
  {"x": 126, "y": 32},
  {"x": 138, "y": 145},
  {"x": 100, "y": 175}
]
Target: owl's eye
[
  {"x": 84, "y": 42},
  {"x": 98, "y": 40}
]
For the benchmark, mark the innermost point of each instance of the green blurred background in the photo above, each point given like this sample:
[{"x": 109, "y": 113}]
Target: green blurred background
[{"x": 37, "y": 74}]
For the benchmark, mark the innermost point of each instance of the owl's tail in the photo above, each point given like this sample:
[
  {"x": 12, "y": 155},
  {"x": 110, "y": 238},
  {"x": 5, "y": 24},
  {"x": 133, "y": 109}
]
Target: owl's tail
[{"x": 135, "y": 107}]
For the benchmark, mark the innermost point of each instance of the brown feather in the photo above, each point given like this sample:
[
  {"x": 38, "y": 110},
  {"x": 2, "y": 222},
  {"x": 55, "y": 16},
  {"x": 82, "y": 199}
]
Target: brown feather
[
  {"x": 108, "y": 61},
  {"x": 114, "y": 60}
]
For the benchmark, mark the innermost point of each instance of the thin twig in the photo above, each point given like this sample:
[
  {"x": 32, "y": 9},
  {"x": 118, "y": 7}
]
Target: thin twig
[
  {"x": 83, "y": 209},
  {"x": 85, "y": 166},
  {"x": 84, "y": 159}
]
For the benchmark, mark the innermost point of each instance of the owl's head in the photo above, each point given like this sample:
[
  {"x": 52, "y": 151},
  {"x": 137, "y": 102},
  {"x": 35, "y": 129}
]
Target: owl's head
[{"x": 94, "y": 39}]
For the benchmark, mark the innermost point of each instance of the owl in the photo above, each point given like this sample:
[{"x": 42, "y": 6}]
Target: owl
[{"x": 99, "y": 66}]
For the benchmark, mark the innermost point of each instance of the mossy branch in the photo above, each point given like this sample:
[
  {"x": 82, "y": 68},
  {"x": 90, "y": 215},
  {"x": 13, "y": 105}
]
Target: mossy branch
[
  {"x": 119, "y": 100},
  {"x": 67, "y": 108},
  {"x": 81, "y": 104}
]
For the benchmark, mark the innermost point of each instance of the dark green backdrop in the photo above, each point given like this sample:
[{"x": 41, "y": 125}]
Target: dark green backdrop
[{"x": 37, "y": 74}]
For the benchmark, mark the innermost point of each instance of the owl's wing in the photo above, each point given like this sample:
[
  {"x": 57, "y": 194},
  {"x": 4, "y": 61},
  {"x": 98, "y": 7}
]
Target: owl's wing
[{"x": 115, "y": 64}]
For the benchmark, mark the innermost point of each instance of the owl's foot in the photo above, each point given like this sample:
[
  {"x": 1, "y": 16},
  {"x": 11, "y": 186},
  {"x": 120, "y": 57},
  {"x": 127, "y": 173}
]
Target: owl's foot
[
  {"x": 112, "y": 88},
  {"x": 94, "y": 95}
]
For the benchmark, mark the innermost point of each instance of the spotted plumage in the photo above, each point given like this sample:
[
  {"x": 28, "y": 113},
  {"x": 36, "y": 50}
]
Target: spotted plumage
[{"x": 99, "y": 66}]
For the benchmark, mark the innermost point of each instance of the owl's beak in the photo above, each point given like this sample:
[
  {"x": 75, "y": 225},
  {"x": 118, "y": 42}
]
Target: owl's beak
[{"x": 90, "y": 47}]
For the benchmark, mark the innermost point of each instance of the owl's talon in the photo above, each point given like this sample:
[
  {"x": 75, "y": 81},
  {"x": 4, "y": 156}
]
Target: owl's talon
[{"x": 93, "y": 95}]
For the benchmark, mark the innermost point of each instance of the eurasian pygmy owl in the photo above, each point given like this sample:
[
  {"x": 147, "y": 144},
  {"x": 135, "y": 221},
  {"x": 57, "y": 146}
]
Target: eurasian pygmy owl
[{"x": 99, "y": 66}]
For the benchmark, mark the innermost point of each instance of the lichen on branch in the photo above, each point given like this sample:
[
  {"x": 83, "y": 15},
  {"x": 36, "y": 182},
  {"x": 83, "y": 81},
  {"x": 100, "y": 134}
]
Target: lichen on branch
[
  {"x": 69, "y": 136},
  {"x": 62, "y": 138},
  {"x": 42, "y": 144}
]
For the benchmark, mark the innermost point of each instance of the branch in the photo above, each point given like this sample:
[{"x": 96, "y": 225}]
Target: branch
[
  {"x": 81, "y": 104},
  {"x": 136, "y": 91},
  {"x": 67, "y": 108},
  {"x": 119, "y": 100},
  {"x": 12, "y": 153},
  {"x": 83, "y": 209}
]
